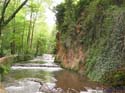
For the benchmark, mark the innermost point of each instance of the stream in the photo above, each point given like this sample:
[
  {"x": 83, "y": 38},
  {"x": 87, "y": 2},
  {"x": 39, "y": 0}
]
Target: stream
[{"x": 42, "y": 75}]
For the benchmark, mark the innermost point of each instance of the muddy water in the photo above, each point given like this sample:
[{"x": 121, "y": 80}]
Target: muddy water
[
  {"x": 67, "y": 79},
  {"x": 21, "y": 78}
]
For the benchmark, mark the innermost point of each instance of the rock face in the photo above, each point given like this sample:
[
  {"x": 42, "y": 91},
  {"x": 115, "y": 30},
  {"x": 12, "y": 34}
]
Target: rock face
[
  {"x": 91, "y": 37},
  {"x": 70, "y": 57},
  {"x": 2, "y": 90}
]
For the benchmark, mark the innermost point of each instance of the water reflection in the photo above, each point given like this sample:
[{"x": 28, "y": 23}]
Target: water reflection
[
  {"x": 15, "y": 83},
  {"x": 27, "y": 73},
  {"x": 60, "y": 79},
  {"x": 17, "y": 80},
  {"x": 67, "y": 79}
]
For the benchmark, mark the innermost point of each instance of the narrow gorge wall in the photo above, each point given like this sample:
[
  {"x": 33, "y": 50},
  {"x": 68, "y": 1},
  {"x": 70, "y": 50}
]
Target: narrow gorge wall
[
  {"x": 70, "y": 56},
  {"x": 91, "y": 38}
]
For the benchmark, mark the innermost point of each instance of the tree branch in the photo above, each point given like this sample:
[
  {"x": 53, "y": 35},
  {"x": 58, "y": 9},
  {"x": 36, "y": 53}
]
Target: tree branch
[
  {"x": 15, "y": 12},
  {"x": 5, "y": 4}
]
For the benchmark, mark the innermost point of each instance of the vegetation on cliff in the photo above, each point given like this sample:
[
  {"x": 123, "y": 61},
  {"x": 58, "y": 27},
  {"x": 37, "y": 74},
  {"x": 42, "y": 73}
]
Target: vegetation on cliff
[{"x": 91, "y": 38}]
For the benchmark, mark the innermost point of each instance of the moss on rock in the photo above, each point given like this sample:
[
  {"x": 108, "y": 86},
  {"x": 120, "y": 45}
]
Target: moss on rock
[{"x": 99, "y": 28}]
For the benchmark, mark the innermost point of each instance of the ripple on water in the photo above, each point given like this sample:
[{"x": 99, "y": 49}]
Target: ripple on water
[
  {"x": 24, "y": 86},
  {"x": 52, "y": 76}
]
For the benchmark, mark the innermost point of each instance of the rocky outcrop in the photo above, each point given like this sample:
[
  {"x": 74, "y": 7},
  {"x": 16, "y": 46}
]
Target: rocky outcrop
[
  {"x": 2, "y": 90},
  {"x": 70, "y": 57},
  {"x": 5, "y": 63},
  {"x": 91, "y": 38}
]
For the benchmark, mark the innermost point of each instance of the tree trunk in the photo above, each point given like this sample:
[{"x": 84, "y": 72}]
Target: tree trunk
[
  {"x": 3, "y": 22},
  {"x": 15, "y": 12},
  {"x": 32, "y": 33},
  {"x": 0, "y": 31},
  {"x": 37, "y": 48},
  {"x": 29, "y": 32},
  {"x": 1, "y": 45},
  {"x": 23, "y": 37},
  {"x": 13, "y": 45}
]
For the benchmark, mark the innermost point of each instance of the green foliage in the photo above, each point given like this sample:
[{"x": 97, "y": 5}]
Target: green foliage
[
  {"x": 115, "y": 78},
  {"x": 102, "y": 23},
  {"x": 60, "y": 14},
  {"x": 4, "y": 69},
  {"x": 112, "y": 54},
  {"x": 26, "y": 29},
  {"x": 66, "y": 15}
]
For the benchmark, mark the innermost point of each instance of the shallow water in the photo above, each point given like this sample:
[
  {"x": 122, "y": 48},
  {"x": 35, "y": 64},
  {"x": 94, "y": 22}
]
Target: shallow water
[{"x": 21, "y": 78}]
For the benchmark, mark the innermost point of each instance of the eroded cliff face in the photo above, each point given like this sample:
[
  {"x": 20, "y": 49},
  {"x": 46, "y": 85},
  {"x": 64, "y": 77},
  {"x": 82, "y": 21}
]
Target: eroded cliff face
[
  {"x": 91, "y": 38},
  {"x": 70, "y": 57}
]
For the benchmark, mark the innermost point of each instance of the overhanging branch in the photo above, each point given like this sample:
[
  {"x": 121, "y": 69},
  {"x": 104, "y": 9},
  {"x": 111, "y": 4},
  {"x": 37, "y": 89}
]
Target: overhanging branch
[
  {"x": 15, "y": 12},
  {"x": 5, "y": 4}
]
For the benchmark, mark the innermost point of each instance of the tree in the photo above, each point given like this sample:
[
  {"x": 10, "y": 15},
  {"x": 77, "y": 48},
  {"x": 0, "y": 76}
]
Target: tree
[
  {"x": 21, "y": 30},
  {"x": 4, "y": 22}
]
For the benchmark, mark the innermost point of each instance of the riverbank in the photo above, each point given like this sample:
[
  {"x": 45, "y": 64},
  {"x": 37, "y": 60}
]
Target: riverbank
[
  {"x": 7, "y": 61},
  {"x": 2, "y": 89}
]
